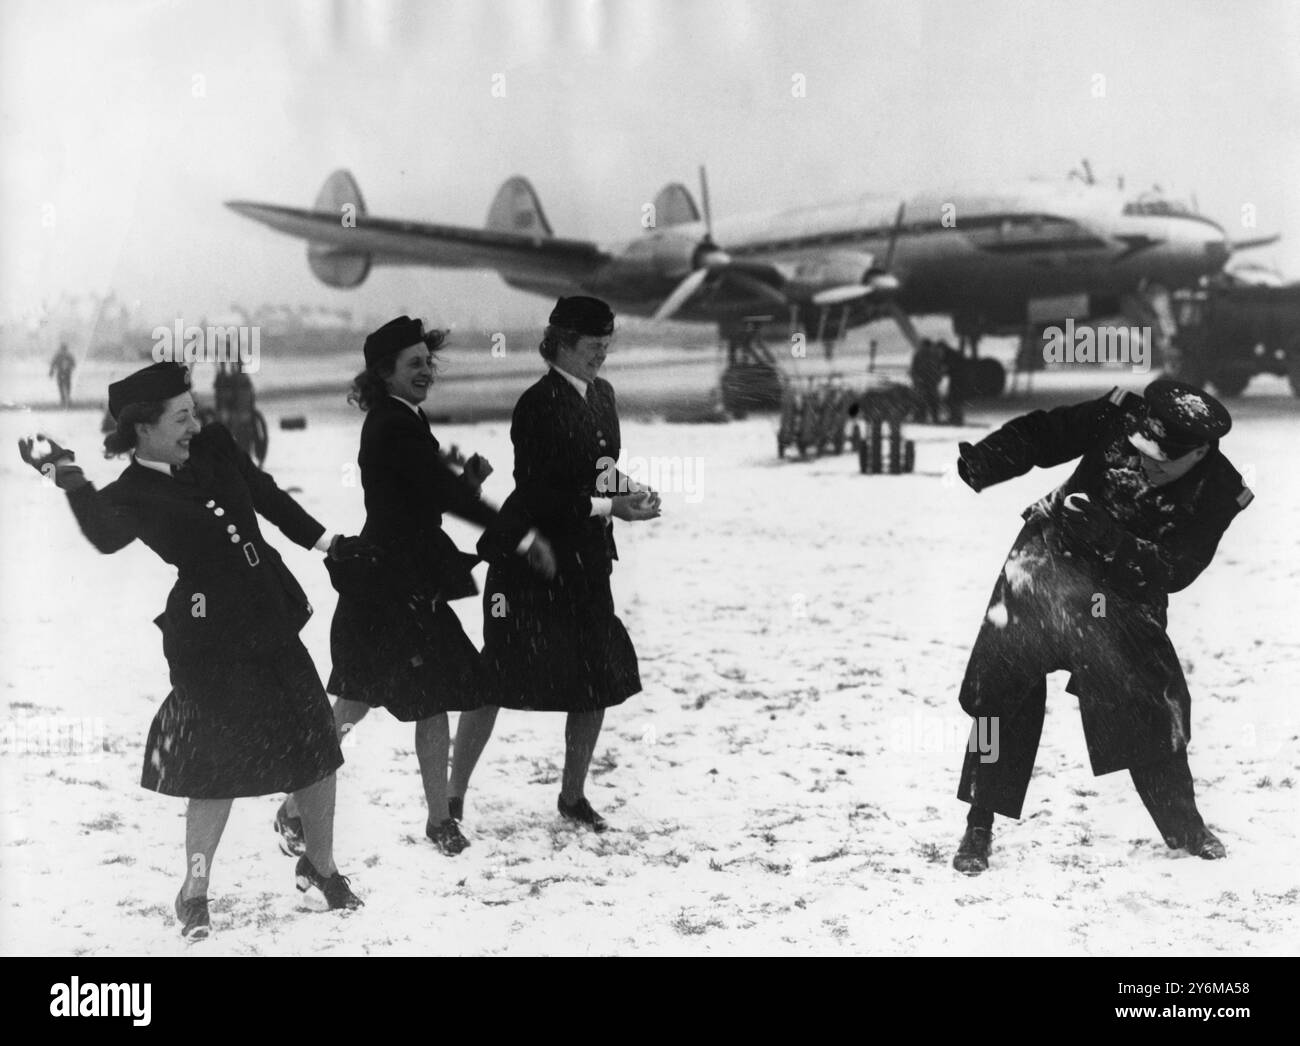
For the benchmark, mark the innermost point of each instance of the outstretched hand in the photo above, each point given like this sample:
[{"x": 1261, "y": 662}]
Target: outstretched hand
[
  {"x": 56, "y": 463},
  {"x": 636, "y": 507},
  {"x": 541, "y": 557},
  {"x": 38, "y": 458},
  {"x": 477, "y": 469},
  {"x": 970, "y": 468}
]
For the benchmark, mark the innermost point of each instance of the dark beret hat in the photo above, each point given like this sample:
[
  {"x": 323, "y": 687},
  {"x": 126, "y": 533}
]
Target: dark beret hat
[
  {"x": 582, "y": 315},
  {"x": 1181, "y": 415},
  {"x": 158, "y": 381},
  {"x": 394, "y": 336}
]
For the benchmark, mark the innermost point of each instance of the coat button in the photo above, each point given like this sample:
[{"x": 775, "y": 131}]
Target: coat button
[
  {"x": 234, "y": 539},
  {"x": 602, "y": 443},
  {"x": 219, "y": 511},
  {"x": 230, "y": 528},
  {"x": 599, "y": 433},
  {"x": 210, "y": 504}
]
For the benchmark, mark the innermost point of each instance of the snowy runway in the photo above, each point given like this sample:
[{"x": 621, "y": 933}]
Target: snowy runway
[{"x": 784, "y": 784}]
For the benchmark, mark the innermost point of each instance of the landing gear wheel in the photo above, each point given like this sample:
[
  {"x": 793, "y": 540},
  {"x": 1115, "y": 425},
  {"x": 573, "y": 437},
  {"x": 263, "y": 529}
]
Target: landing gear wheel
[{"x": 988, "y": 378}]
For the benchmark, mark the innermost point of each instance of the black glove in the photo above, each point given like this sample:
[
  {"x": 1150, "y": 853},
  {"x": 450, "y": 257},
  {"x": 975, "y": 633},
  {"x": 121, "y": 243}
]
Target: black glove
[
  {"x": 57, "y": 464},
  {"x": 342, "y": 548},
  {"x": 1087, "y": 526},
  {"x": 970, "y": 467},
  {"x": 39, "y": 462}
]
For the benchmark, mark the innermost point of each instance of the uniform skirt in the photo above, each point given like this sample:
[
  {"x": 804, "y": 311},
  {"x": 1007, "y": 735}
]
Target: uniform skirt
[
  {"x": 236, "y": 727},
  {"x": 555, "y": 646},
  {"x": 416, "y": 665}
]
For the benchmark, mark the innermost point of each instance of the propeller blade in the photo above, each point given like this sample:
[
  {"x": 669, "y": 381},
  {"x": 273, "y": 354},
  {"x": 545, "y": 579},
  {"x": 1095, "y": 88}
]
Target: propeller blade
[
  {"x": 704, "y": 198},
  {"x": 839, "y": 295},
  {"x": 893, "y": 238},
  {"x": 1246, "y": 245},
  {"x": 681, "y": 294}
]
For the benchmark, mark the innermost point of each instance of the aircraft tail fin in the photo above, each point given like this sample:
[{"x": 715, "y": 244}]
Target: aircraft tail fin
[
  {"x": 675, "y": 206},
  {"x": 341, "y": 196},
  {"x": 516, "y": 209}
]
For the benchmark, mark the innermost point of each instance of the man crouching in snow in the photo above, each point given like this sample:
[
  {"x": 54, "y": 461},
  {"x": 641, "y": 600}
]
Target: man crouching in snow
[{"x": 1085, "y": 589}]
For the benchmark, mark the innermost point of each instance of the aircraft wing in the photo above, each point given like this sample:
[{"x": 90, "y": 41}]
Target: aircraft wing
[{"x": 392, "y": 242}]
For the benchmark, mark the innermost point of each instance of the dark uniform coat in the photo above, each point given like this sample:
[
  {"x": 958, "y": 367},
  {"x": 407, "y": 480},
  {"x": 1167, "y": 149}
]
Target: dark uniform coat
[
  {"x": 558, "y": 645},
  {"x": 1099, "y": 615},
  {"x": 395, "y": 642},
  {"x": 247, "y": 714}
]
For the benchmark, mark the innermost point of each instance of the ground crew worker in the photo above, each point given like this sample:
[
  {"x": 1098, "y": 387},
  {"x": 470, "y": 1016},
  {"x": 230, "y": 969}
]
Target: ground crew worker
[
  {"x": 955, "y": 366},
  {"x": 1085, "y": 589},
  {"x": 927, "y": 372},
  {"x": 61, "y": 368}
]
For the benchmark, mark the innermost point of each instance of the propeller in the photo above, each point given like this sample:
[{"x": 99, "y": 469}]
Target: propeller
[
  {"x": 709, "y": 261},
  {"x": 878, "y": 281}
]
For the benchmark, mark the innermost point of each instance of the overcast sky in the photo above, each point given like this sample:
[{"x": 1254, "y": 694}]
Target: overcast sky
[{"x": 126, "y": 124}]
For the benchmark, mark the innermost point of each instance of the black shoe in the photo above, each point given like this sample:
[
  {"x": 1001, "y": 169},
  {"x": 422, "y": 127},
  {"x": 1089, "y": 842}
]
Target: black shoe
[
  {"x": 289, "y": 829},
  {"x": 972, "y": 856},
  {"x": 337, "y": 888},
  {"x": 1205, "y": 844},
  {"x": 581, "y": 812},
  {"x": 456, "y": 808},
  {"x": 193, "y": 914},
  {"x": 446, "y": 837}
]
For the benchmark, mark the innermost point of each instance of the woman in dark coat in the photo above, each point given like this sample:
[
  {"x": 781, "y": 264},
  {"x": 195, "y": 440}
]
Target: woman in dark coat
[
  {"x": 247, "y": 714},
  {"x": 395, "y": 641},
  {"x": 558, "y": 646}
]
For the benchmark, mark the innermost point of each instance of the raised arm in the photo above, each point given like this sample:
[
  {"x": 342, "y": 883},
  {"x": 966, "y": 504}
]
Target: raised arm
[
  {"x": 1041, "y": 438},
  {"x": 431, "y": 483}
]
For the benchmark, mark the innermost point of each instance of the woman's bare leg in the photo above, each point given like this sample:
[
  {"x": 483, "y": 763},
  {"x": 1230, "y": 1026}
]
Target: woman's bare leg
[
  {"x": 347, "y": 714},
  {"x": 205, "y": 820},
  {"x": 432, "y": 741},
  {"x": 472, "y": 734},
  {"x": 581, "y": 732},
  {"x": 316, "y": 806}
]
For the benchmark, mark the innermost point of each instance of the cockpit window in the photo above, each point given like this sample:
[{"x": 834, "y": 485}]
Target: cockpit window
[{"x": 1157, "y": 206}]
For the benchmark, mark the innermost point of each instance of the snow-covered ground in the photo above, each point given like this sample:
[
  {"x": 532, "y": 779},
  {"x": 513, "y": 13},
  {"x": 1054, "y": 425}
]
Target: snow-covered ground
[{"x": 784, "y": 784}]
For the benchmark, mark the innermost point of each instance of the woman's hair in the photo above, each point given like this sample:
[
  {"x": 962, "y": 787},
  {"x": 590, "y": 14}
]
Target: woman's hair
[
  {"x": 371, "y": 385},
  {"x": 556, "y": 338},
  {"x": 123, "y": 438}
]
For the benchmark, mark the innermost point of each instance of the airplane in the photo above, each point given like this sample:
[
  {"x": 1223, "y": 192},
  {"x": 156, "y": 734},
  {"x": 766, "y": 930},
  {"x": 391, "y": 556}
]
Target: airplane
[{"x": 999, "y": 261}]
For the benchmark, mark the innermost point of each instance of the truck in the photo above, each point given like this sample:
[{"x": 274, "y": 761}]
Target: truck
[{"x": 1229, "y": 330}]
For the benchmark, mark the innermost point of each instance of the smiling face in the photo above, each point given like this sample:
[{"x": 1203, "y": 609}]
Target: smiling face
[
  {"x": 412, "y": 373},
  {"x": 585, "y": 358},
  {"x": 168, "y": 439}
]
